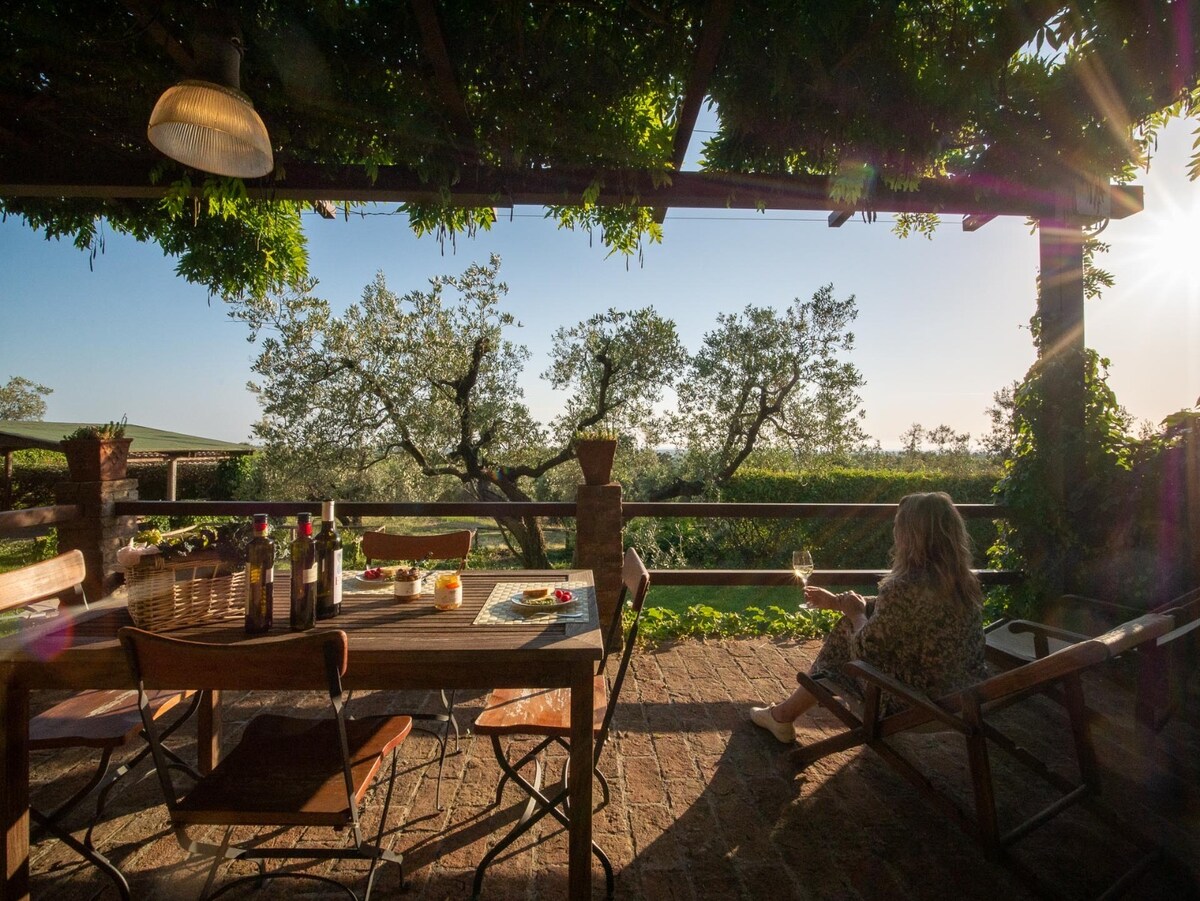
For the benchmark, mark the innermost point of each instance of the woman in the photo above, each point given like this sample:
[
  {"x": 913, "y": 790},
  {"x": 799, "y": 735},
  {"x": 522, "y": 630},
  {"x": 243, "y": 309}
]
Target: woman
[{"x": 927, "y": 625}]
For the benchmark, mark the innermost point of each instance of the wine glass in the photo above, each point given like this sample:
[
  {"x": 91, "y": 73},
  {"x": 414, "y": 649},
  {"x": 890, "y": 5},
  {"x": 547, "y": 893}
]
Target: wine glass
[{"x": 802, "y": 566}]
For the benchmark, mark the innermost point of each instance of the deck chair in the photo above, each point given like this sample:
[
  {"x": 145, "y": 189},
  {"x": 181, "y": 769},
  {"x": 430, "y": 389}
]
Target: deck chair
[
  {"x": 1161, "y": 668},
  {"x": 104, "y": 720},
  {"x": 967, "y": 712},
  {"x": 545, "y": 713},
  {"x": 285, "y": 771},
  {"x": 455, "y": 546}
]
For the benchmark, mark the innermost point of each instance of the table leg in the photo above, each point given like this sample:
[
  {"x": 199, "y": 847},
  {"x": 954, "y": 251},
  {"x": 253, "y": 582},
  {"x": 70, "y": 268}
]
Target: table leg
[
  {"x": 14, "y": 787},
  {"x": 208, "y": 731},
  {"x": 580, "y": 783}
]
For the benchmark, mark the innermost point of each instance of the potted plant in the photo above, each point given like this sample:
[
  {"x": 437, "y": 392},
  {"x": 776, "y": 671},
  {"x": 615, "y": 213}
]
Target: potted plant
[
  {"x": 595, "y": 450},
  {"x": 97, "y": 453}
]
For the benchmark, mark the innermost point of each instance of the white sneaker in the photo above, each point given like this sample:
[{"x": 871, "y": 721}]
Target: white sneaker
[{"x": 785, "y": 732}]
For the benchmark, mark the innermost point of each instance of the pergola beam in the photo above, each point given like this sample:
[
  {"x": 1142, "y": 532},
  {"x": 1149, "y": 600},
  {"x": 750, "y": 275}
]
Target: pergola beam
[
  {"x": 708, "y": 48},
  {"x": 433, "y": 45},
  {"x": 478, "y": 187}
]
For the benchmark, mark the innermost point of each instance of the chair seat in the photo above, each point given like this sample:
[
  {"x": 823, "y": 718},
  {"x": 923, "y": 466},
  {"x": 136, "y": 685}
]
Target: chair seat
[
  {"x": 288, "y": 771},
  {"x": 96, "y": 719},
  {"x": 537, "y": 711}
]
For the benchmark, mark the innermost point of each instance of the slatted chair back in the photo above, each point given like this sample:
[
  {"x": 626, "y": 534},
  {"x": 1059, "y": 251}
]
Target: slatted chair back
[
  {"x": 61, "y": 577},
  {"x": 444, "y": 546},
  {"x": 635, "y": 584}
]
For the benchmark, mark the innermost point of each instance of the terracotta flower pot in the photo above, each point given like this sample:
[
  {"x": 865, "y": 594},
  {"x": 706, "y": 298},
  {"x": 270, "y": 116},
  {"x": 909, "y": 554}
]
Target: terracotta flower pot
[
  {"x": 97, "y": 459},
  {"x": 596, "y": 459}
]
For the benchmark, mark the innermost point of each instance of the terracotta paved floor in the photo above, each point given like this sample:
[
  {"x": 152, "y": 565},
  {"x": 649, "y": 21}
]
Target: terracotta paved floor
[{"x": 705, "y": 806}]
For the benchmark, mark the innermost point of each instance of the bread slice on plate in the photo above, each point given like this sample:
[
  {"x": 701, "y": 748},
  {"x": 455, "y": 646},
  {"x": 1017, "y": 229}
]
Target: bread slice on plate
[{"x": 531, "y": 594}]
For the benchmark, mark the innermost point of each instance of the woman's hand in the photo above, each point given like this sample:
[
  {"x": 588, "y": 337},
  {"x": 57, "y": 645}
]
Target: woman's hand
[{"x": 848, "y": 603}]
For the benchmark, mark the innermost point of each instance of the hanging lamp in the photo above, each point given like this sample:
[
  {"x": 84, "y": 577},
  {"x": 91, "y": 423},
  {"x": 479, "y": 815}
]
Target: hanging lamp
[{"x": 206, "y": 122}]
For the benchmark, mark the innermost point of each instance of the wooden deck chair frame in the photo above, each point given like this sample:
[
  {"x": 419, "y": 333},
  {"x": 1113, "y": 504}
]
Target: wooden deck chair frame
[
  {"x": 443, "y": 546},
  {"x": 1161, "y": 667},
  {"x": 967, "y": 712},
  {"x": 105, "y": 720},
  {"x": 230, "y": 796},
  {"x": 635, "y": 583}
]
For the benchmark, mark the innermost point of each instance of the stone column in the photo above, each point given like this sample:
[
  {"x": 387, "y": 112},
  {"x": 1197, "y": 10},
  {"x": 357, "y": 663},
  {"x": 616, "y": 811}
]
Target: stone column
[
  {"x": 98, "y": 533},
  {"x": 598, "y": 544}
]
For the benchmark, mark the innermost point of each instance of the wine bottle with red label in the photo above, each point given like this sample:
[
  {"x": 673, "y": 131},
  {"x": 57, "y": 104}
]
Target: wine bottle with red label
[{"x": 304, "y": 575}]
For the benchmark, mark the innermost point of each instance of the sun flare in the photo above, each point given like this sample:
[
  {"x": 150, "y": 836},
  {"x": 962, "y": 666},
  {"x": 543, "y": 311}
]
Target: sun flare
[{"x": 1168, "y": 245}]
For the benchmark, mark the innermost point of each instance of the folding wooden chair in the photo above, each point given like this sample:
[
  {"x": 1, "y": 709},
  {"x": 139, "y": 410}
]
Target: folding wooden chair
[
  {"x": 546, "y": 713},
  {"x": 285, "y": 771},
  {"x": 1161, "y": 667},
  {"x": 967, "y": 712},
  {"x": 455, "y": 546},
  {"x": 104, "y": 720}
]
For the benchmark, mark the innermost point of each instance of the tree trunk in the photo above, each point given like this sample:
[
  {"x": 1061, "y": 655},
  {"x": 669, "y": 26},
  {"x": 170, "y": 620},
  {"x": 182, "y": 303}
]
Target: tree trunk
[{"x": 526, "y": 531}]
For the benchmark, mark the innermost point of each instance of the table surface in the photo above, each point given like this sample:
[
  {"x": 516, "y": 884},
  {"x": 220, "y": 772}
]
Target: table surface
[{"x": 391, "y": 643}]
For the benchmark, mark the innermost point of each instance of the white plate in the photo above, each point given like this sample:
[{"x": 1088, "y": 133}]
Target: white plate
[
  {"x": 374, "y": 583},
  {"x": 519, "y": 604}
]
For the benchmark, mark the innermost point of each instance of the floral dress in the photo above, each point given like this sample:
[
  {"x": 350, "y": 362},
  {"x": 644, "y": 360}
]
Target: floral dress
[{"x": 927, "y": 640}]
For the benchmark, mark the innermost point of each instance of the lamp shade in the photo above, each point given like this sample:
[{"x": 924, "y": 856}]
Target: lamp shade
[{"x": 212, "y": 128}]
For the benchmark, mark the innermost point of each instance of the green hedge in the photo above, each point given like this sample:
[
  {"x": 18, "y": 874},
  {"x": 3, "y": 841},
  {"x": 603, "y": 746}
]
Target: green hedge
[{"x": 841, "y": 543}]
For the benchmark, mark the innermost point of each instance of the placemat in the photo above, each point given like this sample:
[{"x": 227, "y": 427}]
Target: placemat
[{"x": 498, "y": 609}]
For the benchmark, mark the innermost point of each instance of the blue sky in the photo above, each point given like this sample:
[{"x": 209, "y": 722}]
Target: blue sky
[{"x": 941, "y": 323}]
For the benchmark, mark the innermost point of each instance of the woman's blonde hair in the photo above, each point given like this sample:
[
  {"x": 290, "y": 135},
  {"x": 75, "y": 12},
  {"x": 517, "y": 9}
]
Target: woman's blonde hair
[{"x": 931, "y": 544}]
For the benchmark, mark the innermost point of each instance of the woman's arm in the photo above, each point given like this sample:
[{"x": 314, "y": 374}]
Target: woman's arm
[{"x": 850, "y": 604}]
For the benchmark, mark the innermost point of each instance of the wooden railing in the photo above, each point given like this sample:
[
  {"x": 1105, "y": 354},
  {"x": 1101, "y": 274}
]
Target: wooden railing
[
  {"x": 631, "y": 510},
  {"x": 15, "y": 523}
]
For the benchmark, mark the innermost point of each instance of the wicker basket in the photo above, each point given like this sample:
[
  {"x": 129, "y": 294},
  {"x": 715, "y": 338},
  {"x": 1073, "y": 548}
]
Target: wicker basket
[{"x": 171, "y": 595}]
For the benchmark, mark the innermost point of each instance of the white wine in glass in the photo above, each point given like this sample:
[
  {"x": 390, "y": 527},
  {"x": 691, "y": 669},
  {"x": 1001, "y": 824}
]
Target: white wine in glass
[{"x": 802, "y": 566}]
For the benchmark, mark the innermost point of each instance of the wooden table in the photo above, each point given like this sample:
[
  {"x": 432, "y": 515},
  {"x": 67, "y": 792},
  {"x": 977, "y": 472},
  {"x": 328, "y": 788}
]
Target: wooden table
[{"x": 392, "y": 646}]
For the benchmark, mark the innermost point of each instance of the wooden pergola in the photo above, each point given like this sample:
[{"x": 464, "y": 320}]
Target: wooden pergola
[
  {"x": 149, "y": 445},
  {"x": 954, "y": 109}
]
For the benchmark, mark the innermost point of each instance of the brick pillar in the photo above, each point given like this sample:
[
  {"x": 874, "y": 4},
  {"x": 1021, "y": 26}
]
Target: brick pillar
[
  {"x": 97, "y": 532},
  {"x": 598, "y": 544}
]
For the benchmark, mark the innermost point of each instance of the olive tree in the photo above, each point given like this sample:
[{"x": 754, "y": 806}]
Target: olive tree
[
  {"x": 763, "y": 376},
  {"x": 432, "y": 376}
]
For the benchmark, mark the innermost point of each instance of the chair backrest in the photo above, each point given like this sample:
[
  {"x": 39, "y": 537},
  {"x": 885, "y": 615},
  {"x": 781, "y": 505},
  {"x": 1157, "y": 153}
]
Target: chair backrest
[
  {"x": 635, "y": 583},
  {"x": 306, "y": 660},
  {"x": 1039, "y": 674},
  {"x": 39, "y": 581},
  {"x": 446, "y": 546}
]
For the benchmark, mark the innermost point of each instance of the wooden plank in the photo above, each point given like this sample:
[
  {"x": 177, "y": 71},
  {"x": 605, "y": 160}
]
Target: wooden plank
[
  {"x": 347, "y": 508},
  {"x": 812, "y": 511},
  {"x": 975, "y": 221},
  {"x": 130, "y": 178},
  {"x": 433, "y": 46},
  {"x": 49, "y": 578},
  {"x": 519, "y": 508},
  {"x": 838, "y": 218},
  {"x": 787, "y": 578},
  {"x": 14, "y": 790},
  {"x": 579, "y": 784},
  {"x": 13, "y": 521},
  {"x": 708, "y": 48}
]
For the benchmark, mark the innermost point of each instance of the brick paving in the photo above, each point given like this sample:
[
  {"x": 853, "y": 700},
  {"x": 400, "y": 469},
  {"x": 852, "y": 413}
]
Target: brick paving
[{"x": 703, "y": 805}]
